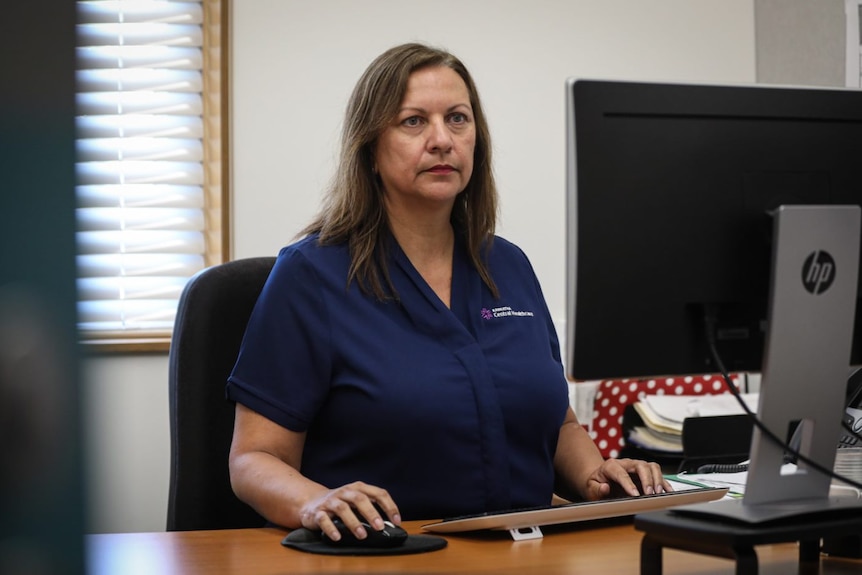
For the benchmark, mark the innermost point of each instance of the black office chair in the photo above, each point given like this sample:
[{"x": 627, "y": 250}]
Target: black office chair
[{"x": 211, "y": 318}]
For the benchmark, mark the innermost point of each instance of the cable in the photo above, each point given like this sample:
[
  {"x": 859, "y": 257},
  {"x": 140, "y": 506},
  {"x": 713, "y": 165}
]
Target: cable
[
  {"x": 710, "y": 337},
  {"x": 722, "y": 468},
  {"x": 855, "y": 386},
  {"x": 850, "y": 430}
]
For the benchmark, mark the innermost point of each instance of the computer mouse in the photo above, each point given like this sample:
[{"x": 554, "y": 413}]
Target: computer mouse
[{"x": 390, "y": 536}]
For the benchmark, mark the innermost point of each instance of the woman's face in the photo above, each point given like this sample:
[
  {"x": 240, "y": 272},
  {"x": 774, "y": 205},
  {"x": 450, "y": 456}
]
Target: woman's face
[{"x": 425, "y": 156}]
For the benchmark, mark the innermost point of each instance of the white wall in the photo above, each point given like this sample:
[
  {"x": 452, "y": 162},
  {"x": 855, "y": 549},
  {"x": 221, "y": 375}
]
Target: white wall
[
  {"x": 294, "y": 64},
  {"x": 128, "y": 440}
]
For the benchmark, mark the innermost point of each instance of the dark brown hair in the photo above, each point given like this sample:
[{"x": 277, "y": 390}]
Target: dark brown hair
[{"x": 353, "y": 209}]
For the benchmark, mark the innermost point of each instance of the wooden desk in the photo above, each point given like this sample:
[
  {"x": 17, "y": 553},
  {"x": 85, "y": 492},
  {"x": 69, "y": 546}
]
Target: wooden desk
[{"x": 607, "y": 548}]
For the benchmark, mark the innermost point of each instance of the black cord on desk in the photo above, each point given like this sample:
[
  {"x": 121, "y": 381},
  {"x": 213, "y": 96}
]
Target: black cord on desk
[{"x": 722, "y": 468}]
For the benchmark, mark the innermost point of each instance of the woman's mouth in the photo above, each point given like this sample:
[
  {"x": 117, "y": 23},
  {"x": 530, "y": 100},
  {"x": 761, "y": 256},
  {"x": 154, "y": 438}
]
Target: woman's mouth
[{"x": 441, "y": 169}]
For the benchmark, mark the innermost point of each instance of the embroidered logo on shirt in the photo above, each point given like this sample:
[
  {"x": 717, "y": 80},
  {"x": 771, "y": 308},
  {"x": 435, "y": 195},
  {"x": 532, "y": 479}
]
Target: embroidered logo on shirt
[{"x": 504, "y": 311}]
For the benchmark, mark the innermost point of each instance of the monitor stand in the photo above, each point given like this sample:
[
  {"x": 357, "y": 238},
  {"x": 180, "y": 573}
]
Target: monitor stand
[
  {"x": 765, "y": 513},
  {"x": 815, "y": 268},
  {"x": 736, "y": 540}
]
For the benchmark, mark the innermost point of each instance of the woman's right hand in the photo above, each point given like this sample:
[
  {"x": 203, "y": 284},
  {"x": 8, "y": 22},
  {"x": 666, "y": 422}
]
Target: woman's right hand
[
  {"x": 264, "y": 471},
  {"x": 345, "y": 503}
]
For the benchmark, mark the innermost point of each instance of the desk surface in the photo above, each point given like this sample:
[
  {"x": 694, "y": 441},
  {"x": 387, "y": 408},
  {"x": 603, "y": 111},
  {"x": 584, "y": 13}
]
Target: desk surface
[{"x": 572, "y": 549}]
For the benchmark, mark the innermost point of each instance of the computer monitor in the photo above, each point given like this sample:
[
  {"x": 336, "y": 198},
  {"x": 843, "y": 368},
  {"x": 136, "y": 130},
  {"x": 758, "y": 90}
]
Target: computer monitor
[
  {"x": 725, "y": 215},
  {"x": 670, "y": 188}
]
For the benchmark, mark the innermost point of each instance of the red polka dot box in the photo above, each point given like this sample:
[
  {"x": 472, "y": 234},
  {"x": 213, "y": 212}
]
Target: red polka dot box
[{"x": 613, "y": 395}]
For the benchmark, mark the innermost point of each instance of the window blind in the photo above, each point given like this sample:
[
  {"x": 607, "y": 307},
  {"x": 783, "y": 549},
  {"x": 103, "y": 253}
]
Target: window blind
[{"x": 142, "y": 210}]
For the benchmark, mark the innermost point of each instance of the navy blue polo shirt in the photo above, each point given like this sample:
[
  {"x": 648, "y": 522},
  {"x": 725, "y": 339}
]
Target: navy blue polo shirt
[{"x": 453, "y": 411}]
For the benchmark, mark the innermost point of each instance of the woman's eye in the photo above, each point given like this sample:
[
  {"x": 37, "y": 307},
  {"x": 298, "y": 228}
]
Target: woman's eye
[
  {"x": 412, "y": 121},
  {"x": 458, "y": 118}
]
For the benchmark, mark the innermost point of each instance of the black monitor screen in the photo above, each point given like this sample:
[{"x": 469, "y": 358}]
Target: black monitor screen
[{"x": 669, "y": 194}]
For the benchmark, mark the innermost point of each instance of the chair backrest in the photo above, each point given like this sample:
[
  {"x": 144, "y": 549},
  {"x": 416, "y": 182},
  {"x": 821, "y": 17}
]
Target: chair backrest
[{"x": 211, "y": 318}]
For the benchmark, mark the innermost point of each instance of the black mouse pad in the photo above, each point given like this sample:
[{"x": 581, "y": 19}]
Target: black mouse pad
[{"x": 311, "y": 542}]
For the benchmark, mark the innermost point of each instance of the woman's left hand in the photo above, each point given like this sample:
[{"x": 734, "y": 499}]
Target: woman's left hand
[{"x": 626, "y": 474}]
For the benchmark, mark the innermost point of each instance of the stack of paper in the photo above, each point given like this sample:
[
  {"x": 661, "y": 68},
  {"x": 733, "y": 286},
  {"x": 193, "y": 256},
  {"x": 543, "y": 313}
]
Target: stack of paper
[
  {"x": 653, "y": 440},
  {"x": 735, "y": 482},
  {"x": 663, "y": 416},
  {"x": 848, "y": 463}
]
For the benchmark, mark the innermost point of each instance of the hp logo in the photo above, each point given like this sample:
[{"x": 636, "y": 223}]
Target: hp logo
[{"x": 818, "y": 272}]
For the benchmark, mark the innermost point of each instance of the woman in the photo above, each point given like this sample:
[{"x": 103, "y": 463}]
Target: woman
[{"x": 401, "y": 359}]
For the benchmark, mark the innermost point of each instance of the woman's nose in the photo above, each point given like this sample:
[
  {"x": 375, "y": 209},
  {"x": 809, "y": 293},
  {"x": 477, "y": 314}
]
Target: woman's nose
[{"x": 439, "y": 136}]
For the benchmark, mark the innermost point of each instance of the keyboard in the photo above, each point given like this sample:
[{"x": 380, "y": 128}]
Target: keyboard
[{"x": 574, "y": 512}]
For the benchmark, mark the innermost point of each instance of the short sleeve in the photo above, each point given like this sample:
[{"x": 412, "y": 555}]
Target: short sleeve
[{"x": 284, "y": 364}]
